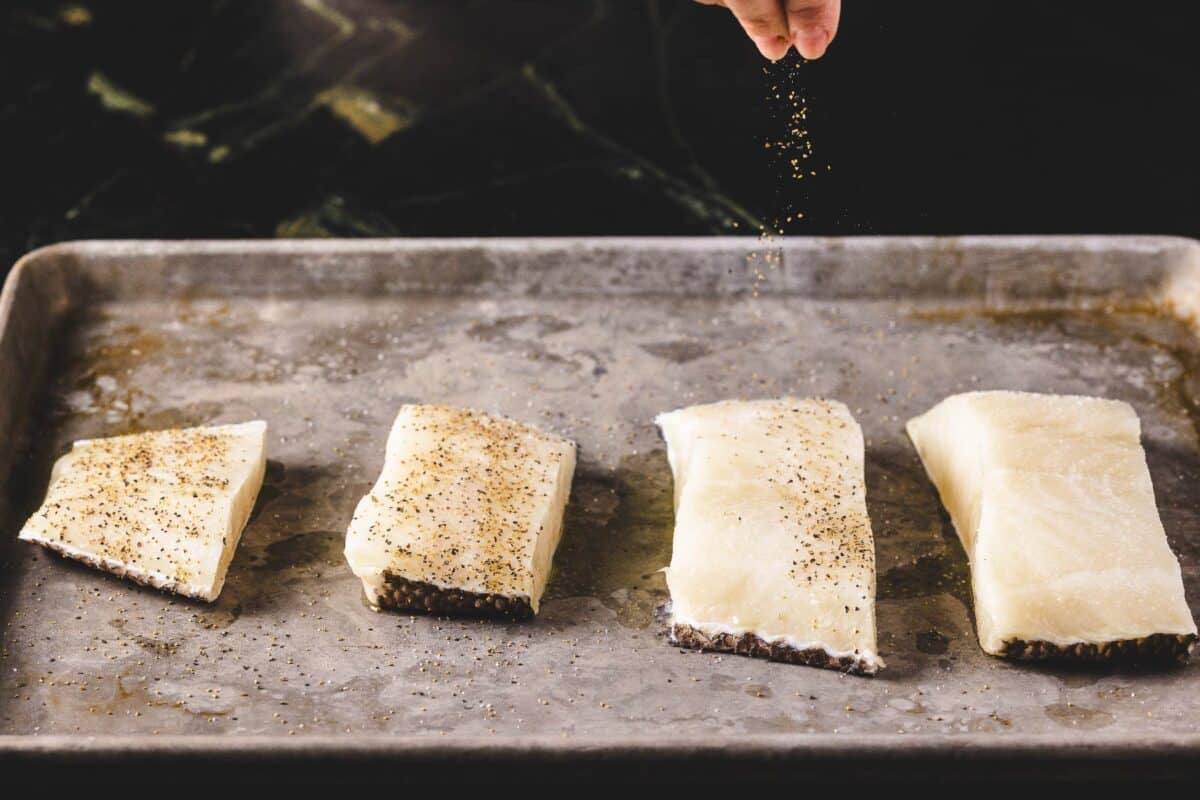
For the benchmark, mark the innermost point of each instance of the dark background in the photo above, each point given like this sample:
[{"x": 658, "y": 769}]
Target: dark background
[{"x": 251, "y": 118}]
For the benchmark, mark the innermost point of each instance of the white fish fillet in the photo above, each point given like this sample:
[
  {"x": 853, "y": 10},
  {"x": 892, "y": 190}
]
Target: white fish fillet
[
  {"x": 465, "y": 517},
  {"x": 165, "y": 508},
  {"x": 1052, "y": 499},
  {"x": 773, "y": 554}
]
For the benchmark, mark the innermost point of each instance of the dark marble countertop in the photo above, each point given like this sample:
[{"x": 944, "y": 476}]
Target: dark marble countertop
[{"x": 212, "y": 118}]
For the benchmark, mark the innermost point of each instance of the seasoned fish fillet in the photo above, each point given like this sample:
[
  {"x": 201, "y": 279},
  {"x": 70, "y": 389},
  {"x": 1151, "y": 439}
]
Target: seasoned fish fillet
[
  {"x": 165, "y": 509},
  {"x": 1052, "y": 499},
  {"x": 465, "y": 516},
  {"x": 773, "y": 554}
]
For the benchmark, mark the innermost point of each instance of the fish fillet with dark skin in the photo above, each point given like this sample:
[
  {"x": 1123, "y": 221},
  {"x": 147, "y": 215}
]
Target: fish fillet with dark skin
[
  {"x": 773, "y": 554},
  {"x": 165, "y": 508},
  {"x": 1052, "y": 500},
  {"x": 465, "y": 517}
]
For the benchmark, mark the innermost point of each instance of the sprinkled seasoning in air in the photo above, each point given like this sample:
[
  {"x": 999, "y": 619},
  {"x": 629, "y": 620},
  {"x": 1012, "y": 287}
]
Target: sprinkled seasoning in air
[{"x": 791, "y": 158}]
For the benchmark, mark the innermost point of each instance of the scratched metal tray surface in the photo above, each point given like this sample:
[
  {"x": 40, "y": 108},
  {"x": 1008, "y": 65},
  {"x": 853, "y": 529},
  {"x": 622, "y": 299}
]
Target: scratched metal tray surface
[{"x": 589, "y": 338}]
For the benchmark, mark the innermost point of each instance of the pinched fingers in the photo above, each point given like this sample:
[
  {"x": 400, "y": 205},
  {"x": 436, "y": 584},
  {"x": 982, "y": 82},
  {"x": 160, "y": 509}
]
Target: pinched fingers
[{"x": 776, "y": 25}]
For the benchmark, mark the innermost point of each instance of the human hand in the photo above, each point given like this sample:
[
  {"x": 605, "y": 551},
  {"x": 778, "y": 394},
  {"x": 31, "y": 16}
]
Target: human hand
[{"x": 776, "y": 25}]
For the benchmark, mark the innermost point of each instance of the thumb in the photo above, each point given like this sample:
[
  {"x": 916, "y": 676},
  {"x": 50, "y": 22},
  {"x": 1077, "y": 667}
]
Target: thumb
[{"x": 812, "y": 24}]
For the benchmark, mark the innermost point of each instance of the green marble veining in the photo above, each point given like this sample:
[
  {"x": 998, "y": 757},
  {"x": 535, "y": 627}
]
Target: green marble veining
[{"x": 211, "y": 118}]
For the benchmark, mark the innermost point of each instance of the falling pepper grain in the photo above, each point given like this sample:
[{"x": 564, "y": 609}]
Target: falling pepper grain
[{"x": 791, "y": 158}]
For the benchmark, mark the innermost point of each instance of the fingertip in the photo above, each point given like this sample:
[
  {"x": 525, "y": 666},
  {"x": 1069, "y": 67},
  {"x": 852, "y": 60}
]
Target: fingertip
[
  {"x": 772, "y": 47},
  {"x": 812, "y": 42}
]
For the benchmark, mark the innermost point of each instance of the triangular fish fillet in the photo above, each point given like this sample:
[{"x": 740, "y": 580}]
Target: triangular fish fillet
[
  {"x": 773, "y": 554},
  {"x": 465, "y": 517},
  {"x": 164, "y": 508},
  {"x": 1052, "y": 499}
]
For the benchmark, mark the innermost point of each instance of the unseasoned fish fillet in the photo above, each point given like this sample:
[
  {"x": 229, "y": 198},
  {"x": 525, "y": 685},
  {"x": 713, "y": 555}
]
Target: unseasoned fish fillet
[
  {"x": 773, "y": 554},
  {"x": 465, "y": 516},
  {"x": 1052, "y": 499},
  {"x": 165, "y": 509}
]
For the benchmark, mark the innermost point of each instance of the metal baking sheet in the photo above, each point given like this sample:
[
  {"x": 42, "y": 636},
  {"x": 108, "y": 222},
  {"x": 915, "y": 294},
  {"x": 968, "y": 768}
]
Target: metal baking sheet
[{"x": 590, "y": 338}]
